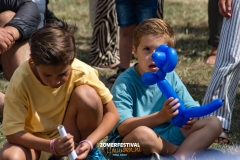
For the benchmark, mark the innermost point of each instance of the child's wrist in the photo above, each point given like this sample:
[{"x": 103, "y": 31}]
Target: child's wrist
[
  {"x": 52, "y": 148},
  {"x": 89, "y": 142}
]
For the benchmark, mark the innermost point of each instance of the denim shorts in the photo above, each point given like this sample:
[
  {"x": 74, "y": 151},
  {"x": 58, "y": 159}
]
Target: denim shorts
[{"x": 135, "y": 11}]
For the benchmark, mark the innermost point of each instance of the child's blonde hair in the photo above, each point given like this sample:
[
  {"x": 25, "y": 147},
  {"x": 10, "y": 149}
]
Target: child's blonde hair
[{"x": 154, "y": 26}]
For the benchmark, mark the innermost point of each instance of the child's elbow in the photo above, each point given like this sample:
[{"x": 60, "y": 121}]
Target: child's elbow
[{"x": 122, "y": 130}]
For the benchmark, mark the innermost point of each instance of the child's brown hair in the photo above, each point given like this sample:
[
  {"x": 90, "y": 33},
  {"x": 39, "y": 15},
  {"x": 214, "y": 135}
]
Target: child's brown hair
[
  {"x": 154, "y": 26},
  {"x": 53, "y": 44}
]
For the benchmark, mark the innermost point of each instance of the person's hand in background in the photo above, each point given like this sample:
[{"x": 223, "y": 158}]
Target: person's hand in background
[
  {"x": 6, "y": 39},
  {"x": 225, "y": 8}
]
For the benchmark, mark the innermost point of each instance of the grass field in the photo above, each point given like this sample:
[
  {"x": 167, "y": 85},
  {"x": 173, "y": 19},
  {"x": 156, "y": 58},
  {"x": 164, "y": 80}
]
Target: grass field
[{"x": 189, "y": 21}]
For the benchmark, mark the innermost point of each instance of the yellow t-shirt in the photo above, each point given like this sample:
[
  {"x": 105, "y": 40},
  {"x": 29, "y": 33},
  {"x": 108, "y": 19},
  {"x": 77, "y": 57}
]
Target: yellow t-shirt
[{"x": 39, "y": 109}]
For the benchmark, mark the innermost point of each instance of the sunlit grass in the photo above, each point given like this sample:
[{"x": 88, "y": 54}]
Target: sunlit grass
[{"x": 189, "y": 21}]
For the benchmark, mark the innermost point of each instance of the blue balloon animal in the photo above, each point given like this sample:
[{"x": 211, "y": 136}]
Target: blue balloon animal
[{"x": 165, "y": 58}]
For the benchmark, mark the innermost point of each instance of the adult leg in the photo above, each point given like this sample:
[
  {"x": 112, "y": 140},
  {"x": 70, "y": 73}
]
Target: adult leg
[
  {"x": 17, "y": 54},
  {"x": 149, "y": 142},
  {"x": 126, "y": 45},
  {"x": 224, "y": 81},
  {"x": 201, "y": 135},
  {"x": 14, "y": 57},
  {"x": 125, "y": 50},
  {"x": 143, "y": 10},
  {"x": 15, "y": 152},
  {"x": 215, "y": 24},
  {"x": 84, "y": 112}
]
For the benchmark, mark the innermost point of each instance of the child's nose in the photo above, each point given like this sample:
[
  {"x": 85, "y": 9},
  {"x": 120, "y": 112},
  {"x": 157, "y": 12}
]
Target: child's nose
[{"x": 56, "y": 82}]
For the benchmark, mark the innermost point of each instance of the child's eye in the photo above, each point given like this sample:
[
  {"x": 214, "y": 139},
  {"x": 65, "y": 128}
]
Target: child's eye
[
  {"x": 46, "y": 75},
  {"x": 64, "y": 74},
  {"x": 146, "y": 48}
]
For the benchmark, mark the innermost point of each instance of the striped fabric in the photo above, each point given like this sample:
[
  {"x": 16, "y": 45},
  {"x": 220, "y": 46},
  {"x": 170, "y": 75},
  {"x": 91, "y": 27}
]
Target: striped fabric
[
  {"x": 226, "y": 73},
  {"x": 105, "y": 37}
]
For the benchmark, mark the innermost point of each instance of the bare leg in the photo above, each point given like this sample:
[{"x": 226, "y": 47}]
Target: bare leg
[
  {"x": 212, "y": 57},
  {"x": 14, "y": 57},
  {"x": 84, "y": 113},
  {"x": 199, "y": 137},
  {"x": 149, "y": 142},
  {"x": 126, "y": 45},
  {"x": 15, "y": 152},
  {"x": 2, "y": 96}
]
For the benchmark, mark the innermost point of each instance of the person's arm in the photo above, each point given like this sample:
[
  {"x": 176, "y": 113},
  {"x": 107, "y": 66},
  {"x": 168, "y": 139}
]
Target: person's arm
[
  {"x": 26, "y": 19},
  {"x": 225, "y": 8},
  {"x": 110, "y": 113},
  {"x": 110, "y": 119},
  {"x": 168, "y": 111},
  {"x": 28, "y": 140},
  {"x": 14, "y": 32}
]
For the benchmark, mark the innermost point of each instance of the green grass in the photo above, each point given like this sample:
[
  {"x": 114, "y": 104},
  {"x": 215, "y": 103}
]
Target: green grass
[{"x": 189, "y": 21}]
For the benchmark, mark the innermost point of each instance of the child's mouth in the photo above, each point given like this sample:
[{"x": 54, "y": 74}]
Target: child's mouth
[
  {"x": 152, "y": 67},
  {"x": 56, "y": 86}
]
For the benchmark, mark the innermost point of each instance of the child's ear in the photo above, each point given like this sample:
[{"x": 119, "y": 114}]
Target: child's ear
[
  {"x": 31, "y": 60},
  {"x": 134, "y": 51}
]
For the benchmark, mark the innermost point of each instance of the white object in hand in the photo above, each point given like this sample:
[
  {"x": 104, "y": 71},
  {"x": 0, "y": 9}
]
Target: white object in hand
[{"x": 62, "y": 132}]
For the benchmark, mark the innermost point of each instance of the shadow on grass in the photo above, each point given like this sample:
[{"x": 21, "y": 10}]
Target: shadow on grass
[
  {"x": 192, "y": 41},
  {"x": 196, "y": 91},
  {"x": 83, "y": 44}
]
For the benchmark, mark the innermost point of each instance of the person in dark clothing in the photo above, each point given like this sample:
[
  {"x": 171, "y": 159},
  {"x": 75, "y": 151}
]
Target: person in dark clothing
[
  {"x": 215, "y": 20},
  {"x": 18, "y": 20}
]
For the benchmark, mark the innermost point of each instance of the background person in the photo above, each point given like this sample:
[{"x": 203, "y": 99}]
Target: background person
[
  {"x": 16, "y": 26},
  {"x": 226, "y": 73},
  {"x": 129, "y": 14},
  {"x": 215, "y": 20}
]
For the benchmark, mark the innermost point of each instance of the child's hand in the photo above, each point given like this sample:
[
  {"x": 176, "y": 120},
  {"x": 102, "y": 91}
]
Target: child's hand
[
  {"x": 190, "y": 122},
  {"x": 64, "y": 145},
  {"x": 82, "y": 150},
  {"x": 169, "y": 109}
]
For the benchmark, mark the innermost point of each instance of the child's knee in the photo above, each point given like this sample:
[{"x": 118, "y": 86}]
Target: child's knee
[
  {"x": 10, "y": 152},
  {"x": 144, "y": 135},
  {"x": 214, "y": 122},
  {"x": 147, "y": 139},
  {"x": 86, "y": 97},
  {"x": 8, "y": 156}
]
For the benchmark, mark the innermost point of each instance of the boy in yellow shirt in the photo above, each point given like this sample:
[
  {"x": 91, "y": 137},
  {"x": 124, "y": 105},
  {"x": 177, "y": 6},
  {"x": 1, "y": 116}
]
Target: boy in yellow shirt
[{"x": 54, "y": 88}]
